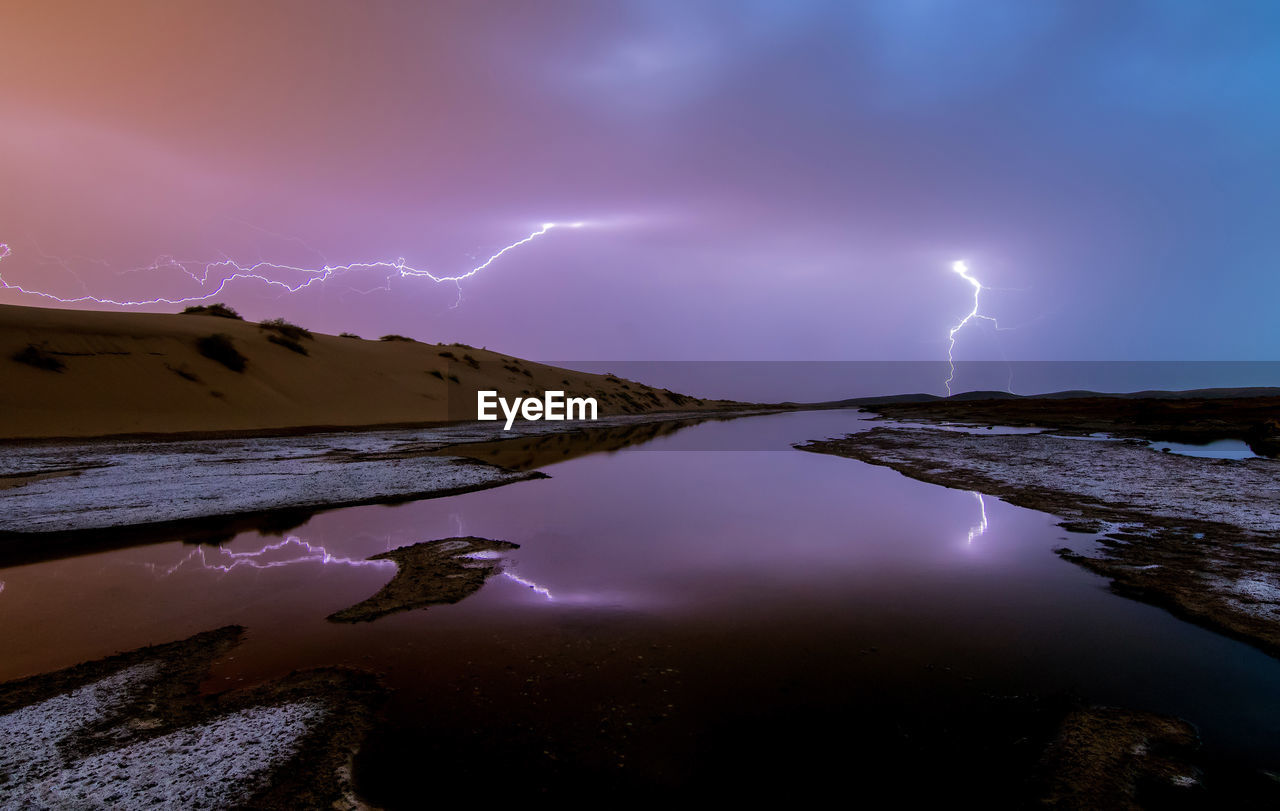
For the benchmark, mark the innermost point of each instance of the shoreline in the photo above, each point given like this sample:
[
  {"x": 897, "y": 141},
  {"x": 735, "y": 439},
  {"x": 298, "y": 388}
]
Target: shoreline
[
  {"x": 1198, "y": 418},
  {"x": 159, "y": 437},
  {"x": 1055, "y": 739},
  {"x": 71, "y": 496},
  {"x": 1190, "y": 535}
]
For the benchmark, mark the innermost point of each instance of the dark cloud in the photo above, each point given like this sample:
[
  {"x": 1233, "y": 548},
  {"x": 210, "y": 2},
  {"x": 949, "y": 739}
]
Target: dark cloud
[{"x": 769, "y": 180}]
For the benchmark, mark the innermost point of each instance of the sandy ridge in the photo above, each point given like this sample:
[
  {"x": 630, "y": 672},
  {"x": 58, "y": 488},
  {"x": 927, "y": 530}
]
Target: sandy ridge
[{"x": 123, "y": 373}]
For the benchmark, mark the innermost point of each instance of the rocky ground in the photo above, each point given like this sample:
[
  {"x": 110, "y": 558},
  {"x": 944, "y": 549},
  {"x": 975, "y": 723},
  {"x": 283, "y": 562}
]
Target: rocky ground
[{"x": 1195, "y": 535}]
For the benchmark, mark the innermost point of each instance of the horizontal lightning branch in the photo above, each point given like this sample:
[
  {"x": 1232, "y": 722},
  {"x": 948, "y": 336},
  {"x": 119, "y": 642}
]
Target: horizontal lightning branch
[
  {"x": 289, "y": 552},
  {"x": 214, "y": 277}
]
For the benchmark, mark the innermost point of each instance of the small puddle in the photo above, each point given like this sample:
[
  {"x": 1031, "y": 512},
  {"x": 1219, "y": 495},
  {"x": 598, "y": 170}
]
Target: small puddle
[{"x": 1218, "y": 449}]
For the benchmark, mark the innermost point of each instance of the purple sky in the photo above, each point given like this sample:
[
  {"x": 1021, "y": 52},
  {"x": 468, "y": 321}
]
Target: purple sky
[{"x": 763, "y": 181}]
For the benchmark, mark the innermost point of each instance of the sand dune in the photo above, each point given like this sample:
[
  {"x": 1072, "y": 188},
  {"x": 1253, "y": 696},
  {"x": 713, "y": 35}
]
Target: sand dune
[{"x": 74, "y": 373}]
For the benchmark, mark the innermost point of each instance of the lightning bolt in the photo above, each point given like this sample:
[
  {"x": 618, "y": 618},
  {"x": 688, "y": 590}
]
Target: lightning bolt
[
  {"x": 981, "y": 527},
  {"x": 225, "y": 561},
  {"x": 505, "y": 567},
  {"x": 225, "y": 271},
  {"x": 962, "y": 269},
  {"x": 543, "y": 590}
]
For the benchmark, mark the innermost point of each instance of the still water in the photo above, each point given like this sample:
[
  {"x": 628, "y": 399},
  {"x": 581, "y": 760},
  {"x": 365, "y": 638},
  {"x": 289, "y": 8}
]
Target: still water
[{"x": 684, "y": 615}]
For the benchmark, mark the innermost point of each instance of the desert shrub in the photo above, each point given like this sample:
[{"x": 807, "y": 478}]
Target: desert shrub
[
  {"x": 219, "y": 309},
  {"x": 448, "y": 355},
  {"x": 218, "y": 347},
  {"x": 394, "y": 337},
  {"x": 34, "y": 356},
  {"x": 350, "y": 335},
  {"x": 291, "y": 331},
  {"x": 288, "y": 343},
  {"x": 436, "y": 374},
  {"x": 454, "y": 379},
  {"x": 470, "y": 361},
  {"x": 183, "y": 373}
]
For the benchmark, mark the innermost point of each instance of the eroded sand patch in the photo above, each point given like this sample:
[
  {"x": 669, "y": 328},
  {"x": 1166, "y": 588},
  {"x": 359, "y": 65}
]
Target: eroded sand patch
[
  {"x": 133, "y": 731},
  {"x": 430, "y": 573}
]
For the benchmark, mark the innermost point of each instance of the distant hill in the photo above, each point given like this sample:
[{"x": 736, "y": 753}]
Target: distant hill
[{"x": 1077, "y": 394}]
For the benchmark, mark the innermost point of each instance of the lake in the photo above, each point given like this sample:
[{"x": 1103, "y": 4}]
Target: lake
[{"x": 710, "y": 612}]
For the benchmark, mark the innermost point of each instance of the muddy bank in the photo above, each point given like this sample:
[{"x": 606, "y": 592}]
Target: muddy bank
[
  {"x": 133, "y": 730},
  {"x": 430, "y": 573},
  {"x": 1194, "y": 535}
]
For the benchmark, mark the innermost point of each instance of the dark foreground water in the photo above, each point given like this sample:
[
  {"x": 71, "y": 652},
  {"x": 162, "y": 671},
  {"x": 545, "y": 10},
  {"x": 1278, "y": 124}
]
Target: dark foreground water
[{"x": 727, "y": 623}]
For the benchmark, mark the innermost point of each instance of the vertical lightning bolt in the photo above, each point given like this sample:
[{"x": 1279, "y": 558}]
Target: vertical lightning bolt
[
  {"x": 981, "y": 527},
  {"x": 213, "y": 277},
  {"x": 962, "y": 269}
]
